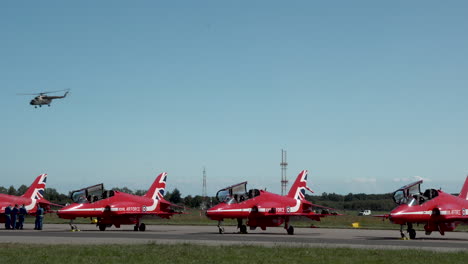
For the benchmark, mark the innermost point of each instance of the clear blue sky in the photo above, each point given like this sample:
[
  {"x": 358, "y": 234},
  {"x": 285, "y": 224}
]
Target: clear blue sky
[{"x": 364, "y": 94}]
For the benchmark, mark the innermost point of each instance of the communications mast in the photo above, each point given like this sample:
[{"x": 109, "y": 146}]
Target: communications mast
[{"x": 284, "y": 165}]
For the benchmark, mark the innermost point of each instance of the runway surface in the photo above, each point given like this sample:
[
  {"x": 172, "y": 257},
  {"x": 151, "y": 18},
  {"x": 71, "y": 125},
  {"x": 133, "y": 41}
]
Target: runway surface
[{"x": 208, "y": 235}]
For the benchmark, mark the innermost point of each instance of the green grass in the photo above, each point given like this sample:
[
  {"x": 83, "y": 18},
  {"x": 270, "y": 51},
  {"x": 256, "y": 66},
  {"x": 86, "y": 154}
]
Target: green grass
[{"x": 189, "y": 253}]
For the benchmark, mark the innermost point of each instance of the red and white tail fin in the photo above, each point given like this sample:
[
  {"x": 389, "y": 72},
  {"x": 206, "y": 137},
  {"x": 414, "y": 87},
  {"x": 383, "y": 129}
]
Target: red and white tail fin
[
  {"x": 157, "y": 189},
  {"x": 297, "y": 191},
  {"x": 36, "y": 190},
  {"x": 464, "y": 191}
]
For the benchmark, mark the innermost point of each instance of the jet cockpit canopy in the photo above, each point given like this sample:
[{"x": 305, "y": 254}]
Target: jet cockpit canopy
[
  {"x": 232, "y": 193},
  {"x": 411, "y": 194},
  {"x": 406, "y": 193},
  {"x": 89, "y": 194}
]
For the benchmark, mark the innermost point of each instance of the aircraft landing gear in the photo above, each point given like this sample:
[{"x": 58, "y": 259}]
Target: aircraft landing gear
[
  {"x": 241, "y": 226},
  {"x": 410, "y": 230},
  {"x": 243, "y": 229},
  {"x": 220, "y": 228},
  {"x": 289, "y": 228},
  {"x": 73, "y": 227},
  {"x": 102, "y": 227},
  {"x": 138, "y": 226}
]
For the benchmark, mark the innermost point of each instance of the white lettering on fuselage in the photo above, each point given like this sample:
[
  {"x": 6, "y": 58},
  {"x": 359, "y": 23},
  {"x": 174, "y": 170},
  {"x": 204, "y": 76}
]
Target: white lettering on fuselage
[
  {"x": 456, "y": 212},
  {"x": 123, "y": 209}
]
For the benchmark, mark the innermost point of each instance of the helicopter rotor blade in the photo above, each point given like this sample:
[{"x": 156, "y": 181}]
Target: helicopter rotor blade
[
  {"x": 28, "y": 93},
  {"x": 55, "y": 91},
  {"x": 43, "y": 92}
]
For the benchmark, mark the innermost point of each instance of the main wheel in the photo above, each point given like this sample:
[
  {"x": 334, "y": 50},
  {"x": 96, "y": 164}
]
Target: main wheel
[
  {"x": 412, "y": 233},
  {"x": 290, "y": 230},
  {"x": 142, "y": 227},
  {"x": 221, "y": 230},
  {"x": 243, "y": 229},
  {"x": 102, "y": 227},
  {"x": 135, "y": 228}
]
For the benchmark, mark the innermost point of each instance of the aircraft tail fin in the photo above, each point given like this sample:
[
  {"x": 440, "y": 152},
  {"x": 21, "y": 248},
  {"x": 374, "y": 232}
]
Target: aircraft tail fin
[
  {"x": 36, "y": 190},
  {"x": 297, "y": 191},
  {"x": 157, "y": 189},
  {"x": 464, "y": 191}
]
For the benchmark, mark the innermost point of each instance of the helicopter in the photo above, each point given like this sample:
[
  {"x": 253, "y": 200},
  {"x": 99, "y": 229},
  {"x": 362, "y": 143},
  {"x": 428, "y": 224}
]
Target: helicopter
[{"x": 43, "y": 99}]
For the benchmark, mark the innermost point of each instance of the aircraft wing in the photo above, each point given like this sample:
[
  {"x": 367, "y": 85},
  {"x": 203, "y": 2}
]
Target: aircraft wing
[
  {"x": 45, "y": 202},
  {"x": 162, "y": 214},
  {"x": 454, "y": 218},
  {"x": 310, "y": 215},
  {"x": 382, "y": 216},
  {"x": 307, "y": 206}
]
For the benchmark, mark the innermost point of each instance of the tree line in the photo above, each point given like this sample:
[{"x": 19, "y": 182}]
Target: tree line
[{"x": 359, "y": 201}]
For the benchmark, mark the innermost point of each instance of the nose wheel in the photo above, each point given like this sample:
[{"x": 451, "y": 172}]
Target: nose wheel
[
  {"x": 410, "y": 230},
  {"x": 220, "y": 227},
  {"x": 141, "y": 227},
  {"x": 74, "y": 228}
]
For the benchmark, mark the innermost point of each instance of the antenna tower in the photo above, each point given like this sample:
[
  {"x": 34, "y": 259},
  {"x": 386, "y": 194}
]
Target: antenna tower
[
  {"x": 284, "y": 165},
  {"x": 204, "y": 195}
]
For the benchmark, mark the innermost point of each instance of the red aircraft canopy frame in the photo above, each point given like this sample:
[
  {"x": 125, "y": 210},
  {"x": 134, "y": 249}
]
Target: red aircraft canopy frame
[
  {"x": 86, "y": 195},
  {"x": 228, "y": 192},
  {"x": 402, "y": 195}
]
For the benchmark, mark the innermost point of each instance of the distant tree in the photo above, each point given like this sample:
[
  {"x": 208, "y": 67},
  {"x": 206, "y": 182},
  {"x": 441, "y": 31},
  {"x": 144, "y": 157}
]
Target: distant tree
[
  {"x": 51, "y": 194},
  {"x": 140, "y": 192},
  {"x": 11, "y": 190},
  {"x": 167, "y": 196},
  {"x": 335, "y": 197},
  {"x": 54, "y": 196},
  {"x": 348, "y": 197},
  {"x": 175, "y": 196},
  {"x": 124, "y": 189},
  {"x": 22, "y": 190},
  {"x": 3, "y": 190},
  {"x": 188, "y": 200}
]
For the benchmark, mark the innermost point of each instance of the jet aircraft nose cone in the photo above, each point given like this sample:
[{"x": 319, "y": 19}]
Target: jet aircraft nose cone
[
  {"x": 397, "y": 216},
  {"x": 32, "y": 102}
]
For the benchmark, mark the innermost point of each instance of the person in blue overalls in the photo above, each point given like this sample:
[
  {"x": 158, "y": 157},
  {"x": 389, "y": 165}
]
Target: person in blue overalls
[
  {"x": 8, "y": 217},
  {"x": 39, "y": 216},
  {"x": 14, "y": 213},
  {"x": 22, "y": 214}
]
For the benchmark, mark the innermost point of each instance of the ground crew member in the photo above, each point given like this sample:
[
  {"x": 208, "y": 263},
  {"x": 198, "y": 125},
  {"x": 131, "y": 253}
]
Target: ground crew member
[
  {"x": 8, "y": 217},
  {"x": 14, "y": 214},
  {"x": 22, "y": 214},
  {"x": 39, "y": 216}
]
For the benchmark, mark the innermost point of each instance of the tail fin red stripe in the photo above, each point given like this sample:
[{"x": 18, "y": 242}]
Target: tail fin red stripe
[
  {"x": 297, "y": 191},
  {"x": 36, "y": 190},
  {"x": 157, "y": 189}
]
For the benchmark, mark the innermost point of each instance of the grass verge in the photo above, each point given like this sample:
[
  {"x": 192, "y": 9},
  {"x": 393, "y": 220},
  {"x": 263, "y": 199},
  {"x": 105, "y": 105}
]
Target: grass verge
[{"x": 189, "y": 253}]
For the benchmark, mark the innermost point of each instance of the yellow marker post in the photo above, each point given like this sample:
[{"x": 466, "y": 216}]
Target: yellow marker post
[{"x": 355, "y": 225}]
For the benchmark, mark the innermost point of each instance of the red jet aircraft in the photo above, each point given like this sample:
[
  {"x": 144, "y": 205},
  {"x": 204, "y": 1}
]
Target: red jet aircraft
[
  {"x": 118, "y": 208},
  {"x": 31, "y": 198},
  {"x": 439, "y": 211},
  {"x": 261, "y": 208}
]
